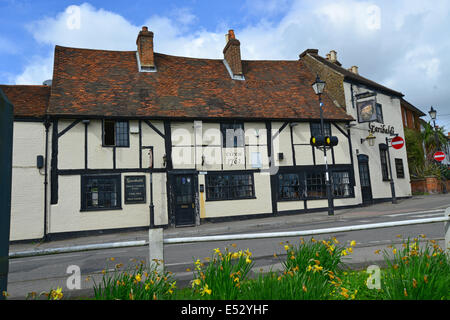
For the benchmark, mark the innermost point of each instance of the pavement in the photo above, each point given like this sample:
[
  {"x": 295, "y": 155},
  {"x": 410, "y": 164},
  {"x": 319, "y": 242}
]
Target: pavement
[{"x": 359, "y": 259}]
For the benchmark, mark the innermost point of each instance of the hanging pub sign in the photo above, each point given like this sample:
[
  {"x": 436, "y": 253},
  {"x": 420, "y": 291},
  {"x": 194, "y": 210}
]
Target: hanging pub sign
[
  {"x": 135, "y": 189},
  {"x": 367, "y": 111}
]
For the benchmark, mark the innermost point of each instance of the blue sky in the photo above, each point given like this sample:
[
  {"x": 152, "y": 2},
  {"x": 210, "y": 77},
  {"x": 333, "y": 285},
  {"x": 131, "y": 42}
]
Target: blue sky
[{"x": 402, "y": 44}]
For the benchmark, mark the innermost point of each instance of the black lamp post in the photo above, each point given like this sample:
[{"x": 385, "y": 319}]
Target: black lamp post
[
  {"x": 432, "y": 114},
  {"x": 318, "y": 87}
]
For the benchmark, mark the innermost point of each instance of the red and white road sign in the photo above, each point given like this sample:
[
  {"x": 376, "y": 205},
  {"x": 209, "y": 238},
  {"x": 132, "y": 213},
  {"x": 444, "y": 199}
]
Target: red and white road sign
[
  {"x": 397, "y": 142},
  {"x": 439, "y": 156}
]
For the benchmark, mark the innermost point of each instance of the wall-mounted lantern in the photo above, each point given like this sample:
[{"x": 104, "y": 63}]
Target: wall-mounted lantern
[{"x": 370, "y": 138}]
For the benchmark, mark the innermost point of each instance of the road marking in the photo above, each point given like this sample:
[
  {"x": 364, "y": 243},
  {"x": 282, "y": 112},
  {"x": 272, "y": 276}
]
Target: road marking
[
  {"x": 430, "y": 215},
  {"x": 414, "y": 213},
  {"x": 46, "y": 257}
]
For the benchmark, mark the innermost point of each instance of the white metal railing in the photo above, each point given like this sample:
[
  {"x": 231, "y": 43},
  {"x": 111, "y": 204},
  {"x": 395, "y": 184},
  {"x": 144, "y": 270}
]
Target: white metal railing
[{"x": 156, "y": 239}]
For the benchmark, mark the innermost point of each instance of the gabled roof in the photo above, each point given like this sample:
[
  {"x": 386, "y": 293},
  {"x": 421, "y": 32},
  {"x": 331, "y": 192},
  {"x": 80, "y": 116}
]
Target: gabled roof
[
  {"x": 29, "y": 101},
  {"x": 408, "y": 105},
  {"x": 95, "y": 83},
  {"x": 350, "y": 76}
]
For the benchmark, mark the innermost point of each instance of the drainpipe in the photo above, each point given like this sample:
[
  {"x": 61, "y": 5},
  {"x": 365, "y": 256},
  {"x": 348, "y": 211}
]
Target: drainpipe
[{"x": 47, "y": 126}]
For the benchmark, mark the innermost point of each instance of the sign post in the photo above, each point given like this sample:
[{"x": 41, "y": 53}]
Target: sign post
[{"x": 6, "y": 142}]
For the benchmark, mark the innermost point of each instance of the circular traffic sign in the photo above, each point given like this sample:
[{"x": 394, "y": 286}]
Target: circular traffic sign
[
  {"x": 439, "y": 156},
  {"x": 397, "y": 142}
]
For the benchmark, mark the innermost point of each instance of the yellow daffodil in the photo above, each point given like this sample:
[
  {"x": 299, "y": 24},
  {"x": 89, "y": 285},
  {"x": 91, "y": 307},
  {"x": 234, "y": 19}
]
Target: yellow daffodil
[
  {"x": 350, "y": 249},
  {"x": 304, "y": 288},
  {"x": 206, "y": 290},
  {"x": 247, "y": 260},
  {"x": 343, "y": 253},
  {"x": 394, "y": 251},
  {"x": 217, "y": 250},
  {"x": 317, "y": 268},
  {"x": 196, "y": 282},
  {"x": 57, "y": 294},
  {"x": 147, "y": 287},
  {"x": 377, "y": 251},
  {"x": 353, "y": 243},
  {"x": 138, "y": 277},
  {"x": 286, "y": 247}
]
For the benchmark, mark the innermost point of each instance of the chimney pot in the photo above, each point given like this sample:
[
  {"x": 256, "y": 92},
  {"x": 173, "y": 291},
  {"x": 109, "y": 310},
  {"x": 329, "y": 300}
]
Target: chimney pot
[
  {"x": 354, "y": 69},
  {"x": 333, "y": 56},
  {"x": 231, "y": 34},
  {"x": 328, "y": 56}
]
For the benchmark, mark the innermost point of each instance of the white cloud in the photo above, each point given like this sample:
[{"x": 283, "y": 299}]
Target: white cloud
[
  {"x": 402, "y": 44},
  {"x": 37, "y": 71}
]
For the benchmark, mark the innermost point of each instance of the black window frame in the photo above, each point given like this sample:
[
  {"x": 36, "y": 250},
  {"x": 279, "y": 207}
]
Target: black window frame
[
  {"x": 85, "y": 179},
  {"x": 379, "y": 112},
  {"x": 121, "y": 133},
  {"x": 315, "y": 128},
  {"x": 291, "y": 183},
  {"x": 340, "y": 188},
  {"x": 312, "y": 184},
  {"x": 384, "y": 162},
  {"x": 239, "y": 142},
  {"x": 399, "y": 168},
  {"x": 212, "y": 187}
]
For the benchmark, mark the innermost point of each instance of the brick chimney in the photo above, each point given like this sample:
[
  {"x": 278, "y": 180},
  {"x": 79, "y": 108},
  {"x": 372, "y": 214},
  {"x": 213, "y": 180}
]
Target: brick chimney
[
  {"x": 333, "y": 56},
  {"x": 354, "y": 69},
  {"x": 144, "y": 44},
  {"x": 232, "y": 54}
]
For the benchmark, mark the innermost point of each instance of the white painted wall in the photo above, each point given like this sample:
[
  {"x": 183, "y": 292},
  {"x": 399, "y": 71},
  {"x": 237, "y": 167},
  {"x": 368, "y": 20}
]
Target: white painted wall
[
  {"x": 27, "y": 196},
  {"x": 67, "y": 217},
  {"x": 391, "y": 116}
]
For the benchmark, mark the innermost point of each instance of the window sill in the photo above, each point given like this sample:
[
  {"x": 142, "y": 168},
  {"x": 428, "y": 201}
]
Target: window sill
[
  {"x": 100, "y": 209},
  {"x": 115, "y": 146},
  {"x": 237, "y": 199},
  {"x": 312, "y": 198}
]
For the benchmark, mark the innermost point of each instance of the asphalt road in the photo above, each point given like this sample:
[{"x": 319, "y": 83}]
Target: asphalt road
[{"x": 43, "y": 273}]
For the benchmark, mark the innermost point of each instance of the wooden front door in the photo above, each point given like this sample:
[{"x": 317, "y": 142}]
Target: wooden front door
[
  {"x": 364, "y": 176},
  {"x": 184, "y": 199}
]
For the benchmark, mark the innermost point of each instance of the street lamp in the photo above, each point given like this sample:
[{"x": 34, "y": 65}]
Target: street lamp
[
  {"x": 318, "y": 87},
  {"x": 432, "y": 114}
]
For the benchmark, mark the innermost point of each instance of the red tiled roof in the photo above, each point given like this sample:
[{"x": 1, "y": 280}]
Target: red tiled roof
[
  {"x": 107, "y": 83},
  {"x": 28, "y": 100}
]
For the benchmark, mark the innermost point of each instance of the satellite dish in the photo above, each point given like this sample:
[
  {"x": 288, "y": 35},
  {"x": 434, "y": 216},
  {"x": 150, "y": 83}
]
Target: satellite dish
[{"x": 47, "y": 83}]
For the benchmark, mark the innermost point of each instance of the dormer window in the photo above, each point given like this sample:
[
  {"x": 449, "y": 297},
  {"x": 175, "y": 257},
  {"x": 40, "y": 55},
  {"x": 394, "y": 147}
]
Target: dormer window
[{"x": 116, "y": 133}]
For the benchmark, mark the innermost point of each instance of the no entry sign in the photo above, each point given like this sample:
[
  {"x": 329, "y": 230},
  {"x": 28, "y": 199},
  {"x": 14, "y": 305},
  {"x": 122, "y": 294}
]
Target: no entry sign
[
  {"x": 439, "y": 156},
  {"x": 397, "y": 142}
]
